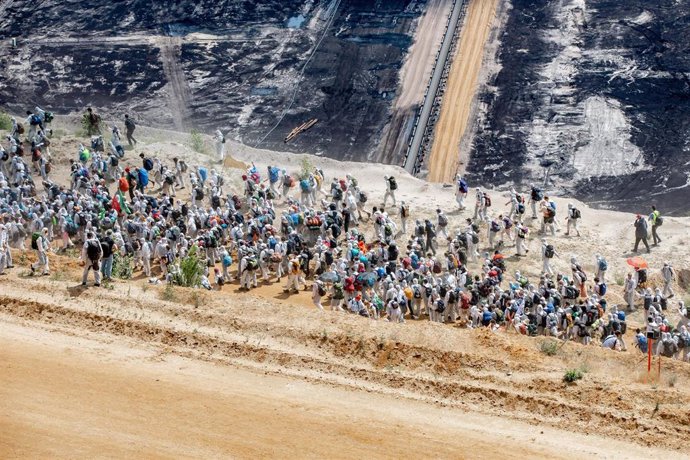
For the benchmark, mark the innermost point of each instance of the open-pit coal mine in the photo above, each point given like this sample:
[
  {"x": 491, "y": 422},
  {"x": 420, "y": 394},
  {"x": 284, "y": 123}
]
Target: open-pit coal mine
[
  {"x": 594, "y": 98},
  {"x": 589, "y": 97}
]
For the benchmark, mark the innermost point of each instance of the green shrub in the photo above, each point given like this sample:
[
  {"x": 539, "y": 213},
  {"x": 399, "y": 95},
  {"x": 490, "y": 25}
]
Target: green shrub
[
  {"x": 190, "y": 270},
  {"x": 549, "y": 347},
  {"x": 572, "y": 375},
  {"x": 123, "y": 267},
  {"x": 306, "y": 168},
  {"x": 196, "y": 141},
  {"x": 5, "y": 122}
]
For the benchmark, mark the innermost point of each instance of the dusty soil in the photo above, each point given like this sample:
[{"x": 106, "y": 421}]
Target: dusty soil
[
  {"x": 461, "y": 91},
  {"x": 118, "y": 371},
  {"x": 145, "y": 370}
]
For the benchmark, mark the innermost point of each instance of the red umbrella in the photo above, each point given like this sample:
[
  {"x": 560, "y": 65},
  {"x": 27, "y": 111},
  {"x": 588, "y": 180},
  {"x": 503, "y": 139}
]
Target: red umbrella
[{"x": 637, "y": 262}]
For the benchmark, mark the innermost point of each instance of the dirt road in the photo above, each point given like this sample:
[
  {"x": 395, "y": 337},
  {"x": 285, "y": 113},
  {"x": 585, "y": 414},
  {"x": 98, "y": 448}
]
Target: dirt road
[
  {"x": 460, "y": 92},
  {"x": 67, "y": 397}
]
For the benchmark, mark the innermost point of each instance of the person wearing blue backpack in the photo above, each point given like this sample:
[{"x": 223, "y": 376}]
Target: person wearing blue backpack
[
  {"x": 461, "y": 192},
  {"x": 273, "y": 179},
  {"x": 226, "y": 261},
  {"x": 602, "y": 266},
  {"x": 143, "y": 179}
]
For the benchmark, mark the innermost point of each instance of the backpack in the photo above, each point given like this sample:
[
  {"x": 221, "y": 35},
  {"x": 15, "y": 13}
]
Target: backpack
[
  {"x": 35, "y": 120},
  {"x": 452, "y": 297},
  {"x": 495, "y": 226},
  {"x": 642, "y": 276},
  {"x": 583, "y": 276},
  {"x": 148, "y": 164},
  {"x": 199, "y": 194},
  {"x": 487, "y": 200},
  {"x": 34, "y": 240},
  {"x": 404, "y": 211},
  {"x": 571, "y": 292},
  {"x": 129, "y": 124},
  {"x": 48, "y": 117},
  {"x": 416, "y": 293},
  {"x": 183, "y": 166},
  {"x": 537, "y": 194},
  {"x": 602, "y": 289},
  {"x": 462, "y": 186},
  {"x": 273, "y": 175},
  {"x": 440, "y": 306},
  {"x": 35, "y": 155},
  {"x": 549, "y": 252},
  {"x": 20, "y": 128},
  {"x": 321, "y": 291},
  {"x": 143, "y": 177},
  {"x": 603, "y": 265},
  {"x": 114, "y": 161},
  {"x": 337, "y": 194},
  {"x": 363, "y": 197},
  {"x": 304, "y": 185},
  {"x": 93, "y": 249},
  {"x": 393, "y": 184},
  {"x": 659, "y": 221},
  {"x": 442, "y": 220},
  {"x": 521, "y": 208},
  {"x": 575, "y": 213},
  {"x": 252, "y": 264},
  {"x": 5, "y": 155},
  {"x": 288, "y": 181},
  {"x": 338, "y": 291}
]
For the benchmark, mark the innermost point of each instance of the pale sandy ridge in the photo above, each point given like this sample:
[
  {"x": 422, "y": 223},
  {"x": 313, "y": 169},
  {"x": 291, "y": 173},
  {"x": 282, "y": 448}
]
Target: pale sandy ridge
[{"x": 461, "y": 91}]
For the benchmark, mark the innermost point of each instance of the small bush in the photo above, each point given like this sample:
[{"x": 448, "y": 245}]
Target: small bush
[
  {"x": 5, "y": 122},
  {"x": 549, "y": 347},
  {"x": 196, "y": 141},
  {"x": 306, "y": 168},
  {"x": 123, "y": 267},
  {"x": 573, "y": 375},
  {"x": 191, "y": 269}
]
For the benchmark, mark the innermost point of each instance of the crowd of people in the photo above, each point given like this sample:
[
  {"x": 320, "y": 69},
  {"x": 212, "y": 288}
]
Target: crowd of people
[{"x": 324, "y": 236}]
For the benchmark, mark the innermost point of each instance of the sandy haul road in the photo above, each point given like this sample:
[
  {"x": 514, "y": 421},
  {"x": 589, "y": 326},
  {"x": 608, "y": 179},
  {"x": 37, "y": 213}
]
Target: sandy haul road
[
  {"x": 460, "y": 91},
  {"x": 76, "y": 397}
]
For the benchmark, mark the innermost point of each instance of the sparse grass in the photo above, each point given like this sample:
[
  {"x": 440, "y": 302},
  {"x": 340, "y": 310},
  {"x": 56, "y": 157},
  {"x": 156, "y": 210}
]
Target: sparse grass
[
  {"x": 5, "y": 122},
  {"x": 196, "y": 141},
  {"x": 168, "y": 294},
  {"x": 671, "y": 380},
  {"x": 59, "y": 133},
  {"x": 549, "y": 347},
  {"x": 72, "y": 252},
  {"x": 22, "y": 258},
  {"x": 620, "y": 280},
  {"x": 145, "y": 287},
  {"x": 196, "y": 299},
  {"x": 108, "y": 285},
  {"x": 573, "y": 375},
  {"x": 58, "y": 275}
]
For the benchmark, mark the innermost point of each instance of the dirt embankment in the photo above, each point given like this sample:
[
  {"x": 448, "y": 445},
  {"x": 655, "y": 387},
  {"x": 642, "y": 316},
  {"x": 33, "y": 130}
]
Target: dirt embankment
[{"x": 477, "y": 371}]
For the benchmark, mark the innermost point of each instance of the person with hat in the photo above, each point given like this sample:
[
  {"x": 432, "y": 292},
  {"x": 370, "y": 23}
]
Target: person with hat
[
  {"x": 641, "y": 232},
  {"x": 391, "y": 187},
  {"x": 572, "y": 219},
  {"x": 317, "y": 292},
  {"x": 41, "y": 244},
  {"x": 668, "y": 275}
]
